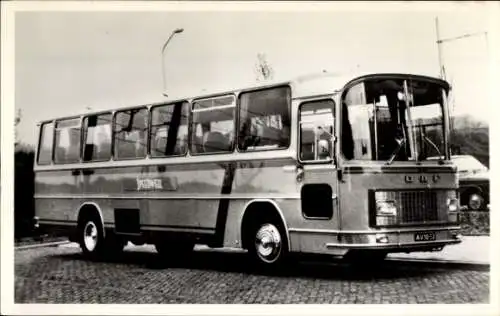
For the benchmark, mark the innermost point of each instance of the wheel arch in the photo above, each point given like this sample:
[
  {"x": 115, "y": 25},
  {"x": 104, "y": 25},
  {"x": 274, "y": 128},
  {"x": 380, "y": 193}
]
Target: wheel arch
[
  {"x": 254, "y": 204},
  {"x": 89, "y": 207}
]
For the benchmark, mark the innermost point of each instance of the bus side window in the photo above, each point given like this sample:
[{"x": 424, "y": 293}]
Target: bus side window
[
  {"x": 316, "y": 121},
  {"x": 45, "y": 144},
  {"x": 169, "y": 129},
  {"x": 213, "y": 125},
  {"x": 67, "y": 141},
  {"x": 264, "y": 119},
  {"x": 130, "y": 133},
  {"x": 97, "y": 137}
]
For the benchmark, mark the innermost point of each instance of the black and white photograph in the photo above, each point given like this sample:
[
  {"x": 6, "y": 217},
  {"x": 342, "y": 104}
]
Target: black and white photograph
[{"x": 251, "y": 157}]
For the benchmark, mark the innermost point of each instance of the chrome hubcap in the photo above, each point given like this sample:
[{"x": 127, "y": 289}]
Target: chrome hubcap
[
  {"x": 90, "y": 236},
  {"x": 268, "y": 243}
]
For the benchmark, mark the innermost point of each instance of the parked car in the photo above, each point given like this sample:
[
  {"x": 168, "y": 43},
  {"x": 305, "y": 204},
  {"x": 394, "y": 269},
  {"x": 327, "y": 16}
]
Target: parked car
[{"x": 474, "y": 182}]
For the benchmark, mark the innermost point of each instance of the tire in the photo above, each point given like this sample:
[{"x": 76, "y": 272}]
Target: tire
[
  {"x": 475, "y": 201},
  {"x": 91, "y": 237},
  {"x": 268, "y": 246}
]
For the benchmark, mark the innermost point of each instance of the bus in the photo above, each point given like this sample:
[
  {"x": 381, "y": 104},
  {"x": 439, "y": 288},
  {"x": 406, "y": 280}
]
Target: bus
[{"x": 334, "y": 165}]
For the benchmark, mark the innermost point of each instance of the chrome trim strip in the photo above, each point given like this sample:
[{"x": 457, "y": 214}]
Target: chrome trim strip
[
  {"x": 214, "y": 108},
  {"x": 181, "y": 160},
  {"x": 55, "y": 222},
  {"x": 369, "y": 232},
  {"x": 417, "y": 244},
  {"x": 171, "y": 197},
  {"x": 175, "y": 229}
]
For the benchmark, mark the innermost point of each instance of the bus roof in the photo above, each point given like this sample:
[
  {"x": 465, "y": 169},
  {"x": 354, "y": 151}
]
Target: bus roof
[{"x": 325, "y": 83}]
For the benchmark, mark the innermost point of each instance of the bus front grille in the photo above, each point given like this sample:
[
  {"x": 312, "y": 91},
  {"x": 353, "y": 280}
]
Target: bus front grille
[{"x": 418, "y": 206}]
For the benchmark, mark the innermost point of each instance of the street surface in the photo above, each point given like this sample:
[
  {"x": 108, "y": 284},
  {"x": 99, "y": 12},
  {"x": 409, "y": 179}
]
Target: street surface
[{"x": 61, "y": 275}]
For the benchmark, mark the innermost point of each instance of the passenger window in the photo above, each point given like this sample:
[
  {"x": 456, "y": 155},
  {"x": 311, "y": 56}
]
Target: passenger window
[
  {"x": 97, "y": 129},
  {"x": 264, "y": 119},
  {"x": 316, "y": 130},
  {"x": 45, "y": 144},
  {"x": 67, "y": 141},
  {"x": 169, "y": 130},
  {"x": 213, "y": 125},
  {"x": 130, "y": 134}
]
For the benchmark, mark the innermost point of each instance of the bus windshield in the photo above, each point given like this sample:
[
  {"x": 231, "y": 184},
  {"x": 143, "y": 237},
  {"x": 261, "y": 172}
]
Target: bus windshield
[{"x": 393, "y": 120}]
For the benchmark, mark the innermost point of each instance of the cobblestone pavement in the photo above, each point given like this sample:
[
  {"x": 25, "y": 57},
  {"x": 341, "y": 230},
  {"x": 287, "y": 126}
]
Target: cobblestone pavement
[{"x": 62, "y": 275}]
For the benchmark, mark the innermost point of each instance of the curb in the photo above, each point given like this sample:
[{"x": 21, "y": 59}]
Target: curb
[{"x": 49, "y": 244}]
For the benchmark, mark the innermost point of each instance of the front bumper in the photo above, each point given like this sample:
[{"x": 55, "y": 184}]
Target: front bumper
[{"x": 398, "y": 240}]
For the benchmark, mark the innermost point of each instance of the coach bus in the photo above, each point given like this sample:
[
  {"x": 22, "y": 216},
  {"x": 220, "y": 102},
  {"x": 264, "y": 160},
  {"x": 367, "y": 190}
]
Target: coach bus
[{"x": 326, "y": 165}]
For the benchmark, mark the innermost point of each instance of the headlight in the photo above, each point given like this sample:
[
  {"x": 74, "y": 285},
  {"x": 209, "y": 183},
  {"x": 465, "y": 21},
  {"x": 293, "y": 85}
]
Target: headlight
[
  {"x": 452, "y": 202},
  {"x": 386, "y": 208},
  {"x": 453, "y": 205},
  {"x": 385, "y": 203}
]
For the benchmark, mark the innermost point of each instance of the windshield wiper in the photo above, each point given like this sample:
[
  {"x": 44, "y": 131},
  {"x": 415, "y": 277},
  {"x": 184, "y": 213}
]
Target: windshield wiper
[
  {"x": 401, "y": 142},
  {"x": 440, "y": 161}
]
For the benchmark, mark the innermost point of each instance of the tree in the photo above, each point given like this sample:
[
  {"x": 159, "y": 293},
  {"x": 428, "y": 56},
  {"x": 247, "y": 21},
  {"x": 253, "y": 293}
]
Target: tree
[
  {"x": 263, "y": 70},
  {"x": 470, "y": 137}
]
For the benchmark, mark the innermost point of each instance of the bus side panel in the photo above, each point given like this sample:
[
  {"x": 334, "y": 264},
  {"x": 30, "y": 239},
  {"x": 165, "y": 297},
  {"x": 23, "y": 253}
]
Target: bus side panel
[
  {"x": 275, "y": 181},
  {"x": 232, "y": 231},
  {"x": 189, "y": 196},
  {"x": 56, "y": 195},
  {"x": 57, "y": 210},
  {"x": 256, "y": 181}
]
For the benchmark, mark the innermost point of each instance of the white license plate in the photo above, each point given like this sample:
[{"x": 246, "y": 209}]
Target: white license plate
[{"x": 425, "y": 236}]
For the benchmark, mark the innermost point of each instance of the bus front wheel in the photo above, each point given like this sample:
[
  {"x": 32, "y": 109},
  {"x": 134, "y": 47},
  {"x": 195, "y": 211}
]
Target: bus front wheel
[{"x": 269, "y": 245}]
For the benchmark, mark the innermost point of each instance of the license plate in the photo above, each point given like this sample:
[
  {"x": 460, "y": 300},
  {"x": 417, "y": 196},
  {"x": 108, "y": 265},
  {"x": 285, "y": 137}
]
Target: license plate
[{"x": 425, "y": 236}]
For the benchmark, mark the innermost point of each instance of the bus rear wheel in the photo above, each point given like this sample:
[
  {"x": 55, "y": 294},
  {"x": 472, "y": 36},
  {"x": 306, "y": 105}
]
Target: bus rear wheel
[
  {"x": 91, "y": 237},
  {"x": 269, "y": 246},
  {"x": 93, "y": 243}
]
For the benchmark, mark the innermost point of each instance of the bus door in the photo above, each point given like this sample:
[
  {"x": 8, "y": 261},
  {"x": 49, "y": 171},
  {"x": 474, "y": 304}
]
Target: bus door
[{"x": 317, "y": 170}]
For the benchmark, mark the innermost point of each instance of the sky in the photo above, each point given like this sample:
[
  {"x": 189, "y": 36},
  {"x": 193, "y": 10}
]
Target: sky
[{"x": 67, "y": 63}]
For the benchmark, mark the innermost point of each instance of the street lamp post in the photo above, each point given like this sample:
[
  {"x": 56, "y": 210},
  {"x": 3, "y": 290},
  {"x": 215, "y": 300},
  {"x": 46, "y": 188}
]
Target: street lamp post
[{"x": 176, "y": 31}]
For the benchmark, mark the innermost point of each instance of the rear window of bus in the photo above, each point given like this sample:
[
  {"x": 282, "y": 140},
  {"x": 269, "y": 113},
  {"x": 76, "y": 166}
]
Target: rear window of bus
[{"x": 45, "y": 143}]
